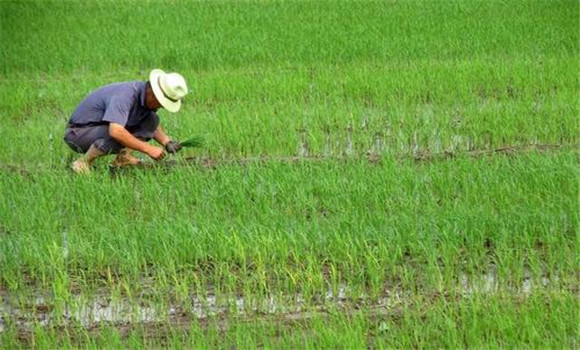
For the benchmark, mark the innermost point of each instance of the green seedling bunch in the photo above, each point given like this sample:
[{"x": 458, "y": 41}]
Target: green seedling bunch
[{"x": 194, "y": 142}]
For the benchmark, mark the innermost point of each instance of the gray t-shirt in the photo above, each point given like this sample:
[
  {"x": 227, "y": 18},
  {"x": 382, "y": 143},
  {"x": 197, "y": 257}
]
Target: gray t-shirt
[{"x": 121, "y": 103}]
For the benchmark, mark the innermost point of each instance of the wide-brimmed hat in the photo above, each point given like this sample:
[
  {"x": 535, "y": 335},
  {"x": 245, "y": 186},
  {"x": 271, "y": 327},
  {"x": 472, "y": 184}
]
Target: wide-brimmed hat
[{"x": 168, "y": 88}]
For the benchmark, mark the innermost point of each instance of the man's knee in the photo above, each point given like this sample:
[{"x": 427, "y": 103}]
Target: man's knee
[
  {"x": 154, "y": 121},
  {"x": 146, "y": 129}
]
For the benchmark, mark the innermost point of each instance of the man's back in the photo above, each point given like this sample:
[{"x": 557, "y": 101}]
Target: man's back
[{"x": 121, "y": 103}]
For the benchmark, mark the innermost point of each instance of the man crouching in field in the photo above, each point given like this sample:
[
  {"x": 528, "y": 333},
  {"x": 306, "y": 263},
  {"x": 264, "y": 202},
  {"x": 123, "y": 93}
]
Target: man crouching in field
[{"x": 120, "y": 118}]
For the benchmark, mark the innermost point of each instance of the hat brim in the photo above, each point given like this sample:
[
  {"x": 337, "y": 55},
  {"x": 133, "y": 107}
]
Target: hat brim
[{"x": 171, "y": 106}]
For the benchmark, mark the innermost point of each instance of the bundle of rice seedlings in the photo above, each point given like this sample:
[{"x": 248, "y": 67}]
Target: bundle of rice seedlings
[{"x": 196, "y": 141}]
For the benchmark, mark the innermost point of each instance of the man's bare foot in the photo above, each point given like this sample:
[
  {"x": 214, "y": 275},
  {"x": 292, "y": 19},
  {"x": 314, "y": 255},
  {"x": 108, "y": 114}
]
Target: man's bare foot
[
  {"x": 125, "y": 158},
  {"x": 81, "y": 166}
]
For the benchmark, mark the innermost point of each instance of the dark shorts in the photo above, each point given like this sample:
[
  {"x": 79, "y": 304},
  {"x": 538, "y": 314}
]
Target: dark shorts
[{"x": 80, "y": 139}]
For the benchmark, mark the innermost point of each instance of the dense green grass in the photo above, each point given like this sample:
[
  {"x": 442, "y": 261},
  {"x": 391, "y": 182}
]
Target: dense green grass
[
  {"x": 200, "y": 35},
  {"x": 490, "y": 72},
  {"x": 373, "y": 97},
  {"x": 290, "y": 220}
]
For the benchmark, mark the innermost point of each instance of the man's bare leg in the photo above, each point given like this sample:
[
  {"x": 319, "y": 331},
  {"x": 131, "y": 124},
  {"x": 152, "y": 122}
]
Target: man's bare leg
[
  {"x": 83, "y": 164},
  {"x": 125, "y": 158}
]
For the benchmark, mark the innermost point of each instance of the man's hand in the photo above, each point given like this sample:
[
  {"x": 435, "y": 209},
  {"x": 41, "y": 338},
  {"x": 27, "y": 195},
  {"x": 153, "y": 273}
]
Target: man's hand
[
  {"x": 156, "y": 153},
  {"x": 173, "y": 146}
]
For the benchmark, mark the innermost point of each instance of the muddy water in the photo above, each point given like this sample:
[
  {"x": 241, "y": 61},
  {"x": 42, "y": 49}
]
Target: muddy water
[
  {"x": 103, "y": 309},
  {"x": 387, "y": 142}
]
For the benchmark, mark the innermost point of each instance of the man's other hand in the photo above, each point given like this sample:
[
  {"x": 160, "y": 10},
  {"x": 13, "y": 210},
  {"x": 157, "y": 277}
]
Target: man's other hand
[{"x": 173, "y": 146}]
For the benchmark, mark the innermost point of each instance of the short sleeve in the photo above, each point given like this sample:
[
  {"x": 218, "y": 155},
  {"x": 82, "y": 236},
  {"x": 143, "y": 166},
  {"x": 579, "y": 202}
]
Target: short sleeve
[{"x": 117, "y": 110}]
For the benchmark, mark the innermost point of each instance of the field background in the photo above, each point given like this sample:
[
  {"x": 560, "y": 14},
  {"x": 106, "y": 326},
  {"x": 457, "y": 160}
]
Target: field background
[{"x": 398, "y": 173}]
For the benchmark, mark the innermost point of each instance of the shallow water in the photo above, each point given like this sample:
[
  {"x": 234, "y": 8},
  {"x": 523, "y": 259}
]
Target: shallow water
[{"x": 103, "y": 308}]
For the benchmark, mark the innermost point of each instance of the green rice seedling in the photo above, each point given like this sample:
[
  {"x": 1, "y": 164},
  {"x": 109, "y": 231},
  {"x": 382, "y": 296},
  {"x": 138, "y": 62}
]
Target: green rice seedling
[{"x": 196, "y": 141}]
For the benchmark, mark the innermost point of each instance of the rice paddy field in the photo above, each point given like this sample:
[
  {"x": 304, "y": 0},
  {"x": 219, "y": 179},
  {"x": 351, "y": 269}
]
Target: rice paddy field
[{"x": 376, "y": 174}]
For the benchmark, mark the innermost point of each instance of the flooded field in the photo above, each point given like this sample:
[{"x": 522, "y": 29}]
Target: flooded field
[
  {"x": 396, "y": 174},
  {"x": 101, "y": 308}
]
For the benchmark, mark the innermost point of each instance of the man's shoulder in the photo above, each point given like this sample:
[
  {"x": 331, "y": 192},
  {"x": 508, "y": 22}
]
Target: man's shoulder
[{"x": 127, "y": 88}]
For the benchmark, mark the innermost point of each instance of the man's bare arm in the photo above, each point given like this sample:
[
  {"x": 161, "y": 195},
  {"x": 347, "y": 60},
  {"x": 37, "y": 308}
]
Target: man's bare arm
[
  {"x": 124, "y": 137},
  {"x": 160, "y": 136}
]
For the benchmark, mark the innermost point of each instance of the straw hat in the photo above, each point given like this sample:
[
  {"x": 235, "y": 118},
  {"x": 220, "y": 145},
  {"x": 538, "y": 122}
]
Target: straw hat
[{"x": 168, "y": 88}]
